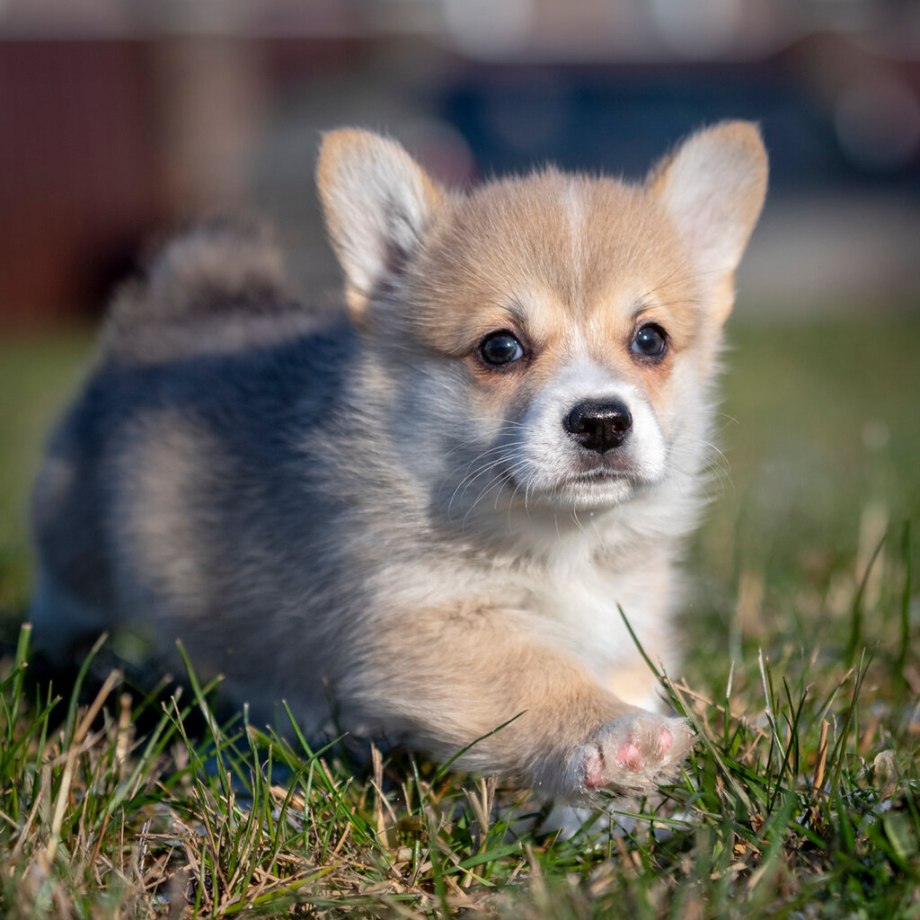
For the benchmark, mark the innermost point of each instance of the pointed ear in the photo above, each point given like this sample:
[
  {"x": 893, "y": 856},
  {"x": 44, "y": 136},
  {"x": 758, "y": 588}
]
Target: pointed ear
[
  {"x": 713, "y": 187},
  {"x": 377, "y": 202}
]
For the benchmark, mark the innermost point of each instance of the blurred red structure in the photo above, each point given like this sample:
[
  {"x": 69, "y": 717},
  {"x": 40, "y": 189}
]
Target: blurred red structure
[
  {"x": 119, "y": 121},
  {"x": 79, "y": 175}
]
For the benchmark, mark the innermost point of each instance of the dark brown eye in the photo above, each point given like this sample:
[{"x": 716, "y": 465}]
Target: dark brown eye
[
  {"x": 500, "y": 348},
  {"x": 650, "y": 341}
]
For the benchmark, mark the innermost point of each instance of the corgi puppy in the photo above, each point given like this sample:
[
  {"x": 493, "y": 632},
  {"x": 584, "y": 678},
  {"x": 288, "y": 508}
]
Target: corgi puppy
[{"x": 434, "y": 506}]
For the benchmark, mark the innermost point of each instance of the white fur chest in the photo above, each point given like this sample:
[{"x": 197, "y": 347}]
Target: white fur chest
[{"x": 576, "y": 607}]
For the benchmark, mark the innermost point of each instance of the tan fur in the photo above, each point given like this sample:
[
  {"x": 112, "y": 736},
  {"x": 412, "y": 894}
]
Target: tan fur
[
  {"x": 344, "y": 154},
  {"x": 464, "y": 675},
  {"x": 576, "y": 264},
  {"x": 375, "y": 512},
  {"x": 156, "y": 519}
]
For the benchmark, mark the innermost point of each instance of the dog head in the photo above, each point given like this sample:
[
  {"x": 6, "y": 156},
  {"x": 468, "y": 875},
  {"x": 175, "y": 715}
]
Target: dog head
[{"x": 544, "y": 340}]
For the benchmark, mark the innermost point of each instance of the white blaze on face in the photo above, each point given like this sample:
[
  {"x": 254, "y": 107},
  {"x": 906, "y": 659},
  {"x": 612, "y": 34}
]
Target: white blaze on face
[
  {"x": 550, "y": 460},
  {"x": 574, "y": 209}
]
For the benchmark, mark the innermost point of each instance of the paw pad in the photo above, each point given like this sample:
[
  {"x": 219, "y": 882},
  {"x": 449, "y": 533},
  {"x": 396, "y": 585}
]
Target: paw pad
[{"x": 634, "y": 752}]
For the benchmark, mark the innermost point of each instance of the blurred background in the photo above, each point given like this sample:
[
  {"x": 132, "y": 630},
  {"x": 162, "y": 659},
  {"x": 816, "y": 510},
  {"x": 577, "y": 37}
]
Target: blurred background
[{"x": 120, "y": 120}]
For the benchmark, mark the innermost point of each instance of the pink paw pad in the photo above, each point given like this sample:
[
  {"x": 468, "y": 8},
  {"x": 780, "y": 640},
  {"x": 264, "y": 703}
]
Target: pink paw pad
[
  {"x": 630, "y": 756},
  {"x": 635, "y": 752}
]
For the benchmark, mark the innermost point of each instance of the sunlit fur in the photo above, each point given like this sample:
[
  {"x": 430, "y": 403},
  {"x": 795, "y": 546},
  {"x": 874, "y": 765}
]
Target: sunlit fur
[{"x": 363, "y": 510}]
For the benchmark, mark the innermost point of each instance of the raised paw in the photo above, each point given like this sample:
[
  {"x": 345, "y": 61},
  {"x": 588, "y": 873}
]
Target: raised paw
[{"x": 633, "y": 753}]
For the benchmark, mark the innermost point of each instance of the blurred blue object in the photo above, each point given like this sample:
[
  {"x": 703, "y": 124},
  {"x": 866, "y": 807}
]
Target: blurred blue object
[{"x": 622, "y": 118}]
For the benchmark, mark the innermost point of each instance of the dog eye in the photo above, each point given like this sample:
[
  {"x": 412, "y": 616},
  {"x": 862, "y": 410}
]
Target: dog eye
[
  {"x": 650, "y": 341},
  {"x": 500, "y": 348}
]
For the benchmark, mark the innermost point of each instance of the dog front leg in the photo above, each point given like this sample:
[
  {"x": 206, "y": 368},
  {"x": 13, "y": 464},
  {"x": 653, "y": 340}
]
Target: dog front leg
[{"x": 447, "y": 678}]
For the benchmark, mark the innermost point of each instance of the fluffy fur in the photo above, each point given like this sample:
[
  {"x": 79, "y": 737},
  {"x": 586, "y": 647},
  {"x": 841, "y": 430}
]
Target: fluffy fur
[{"x": 368, "y": 508}]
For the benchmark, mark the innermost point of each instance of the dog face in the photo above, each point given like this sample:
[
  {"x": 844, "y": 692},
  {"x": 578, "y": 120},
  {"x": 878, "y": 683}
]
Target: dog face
[{"x": 546, "y": 340}]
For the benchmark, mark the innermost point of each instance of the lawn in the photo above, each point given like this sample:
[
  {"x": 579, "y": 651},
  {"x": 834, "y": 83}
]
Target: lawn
[{"x": 802, "y": 680}]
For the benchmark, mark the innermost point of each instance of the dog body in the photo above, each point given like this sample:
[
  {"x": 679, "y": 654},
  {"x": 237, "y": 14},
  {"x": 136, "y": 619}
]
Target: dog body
[{"x": 431, "y": 511}]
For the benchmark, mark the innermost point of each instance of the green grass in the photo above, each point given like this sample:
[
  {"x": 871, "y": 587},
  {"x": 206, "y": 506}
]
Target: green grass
[{"x": 802, "y": 798}]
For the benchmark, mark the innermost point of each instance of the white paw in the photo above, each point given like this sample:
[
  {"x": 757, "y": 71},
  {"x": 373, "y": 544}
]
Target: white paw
[{"x": 633, "y": 753}]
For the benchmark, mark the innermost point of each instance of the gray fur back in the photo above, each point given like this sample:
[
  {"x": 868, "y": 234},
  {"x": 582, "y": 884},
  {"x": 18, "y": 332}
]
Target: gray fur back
[{"x": 177, "y": 487}]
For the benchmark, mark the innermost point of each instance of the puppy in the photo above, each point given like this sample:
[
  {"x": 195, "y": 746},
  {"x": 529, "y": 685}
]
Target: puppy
[{"x": 433, "y": 508}]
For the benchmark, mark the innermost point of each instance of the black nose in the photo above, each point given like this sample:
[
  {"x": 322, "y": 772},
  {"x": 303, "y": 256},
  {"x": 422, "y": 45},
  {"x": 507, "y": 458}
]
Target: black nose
[{"x": 599, "y": 426}]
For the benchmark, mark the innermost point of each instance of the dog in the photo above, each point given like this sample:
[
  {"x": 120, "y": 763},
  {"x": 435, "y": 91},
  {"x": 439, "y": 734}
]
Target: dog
[{"x": 433, "y": 506}]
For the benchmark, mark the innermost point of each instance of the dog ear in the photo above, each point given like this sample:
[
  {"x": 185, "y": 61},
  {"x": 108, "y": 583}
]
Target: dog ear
[
  {"x": 377, "y": 202},
  {"x": 713, "y": 187}
]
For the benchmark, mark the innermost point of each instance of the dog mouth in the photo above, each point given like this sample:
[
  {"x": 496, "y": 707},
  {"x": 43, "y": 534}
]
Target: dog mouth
[
  {"x": 602, "y": 483},
  {"x": 610, "y": 478},
  {"x": 555, "y": 479},
  {"x": 605, "y": 469},
  {"x": 599, "y": 474}
]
